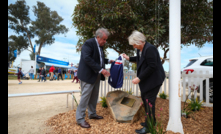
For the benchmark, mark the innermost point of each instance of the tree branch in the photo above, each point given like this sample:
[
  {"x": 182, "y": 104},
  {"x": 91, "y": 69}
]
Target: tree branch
[
  {"x": 165, "y": 55},
  {"x": 27, "y": 34}
]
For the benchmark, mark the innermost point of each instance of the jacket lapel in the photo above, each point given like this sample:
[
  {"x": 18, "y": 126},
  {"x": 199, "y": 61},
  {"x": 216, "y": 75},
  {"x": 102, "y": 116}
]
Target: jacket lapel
[
  {"x": 96, "y": 48},
  {"x": 142, "y": 58}
]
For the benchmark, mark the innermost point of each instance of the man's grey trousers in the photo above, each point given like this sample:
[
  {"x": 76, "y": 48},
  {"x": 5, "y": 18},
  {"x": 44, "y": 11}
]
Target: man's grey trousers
[{"x": 89, "y": 97}]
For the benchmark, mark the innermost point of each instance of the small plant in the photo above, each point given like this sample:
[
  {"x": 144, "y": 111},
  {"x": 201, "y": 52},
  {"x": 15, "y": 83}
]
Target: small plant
[
  {"x": 163, "y": 95},
  {"x": 153, "y": 127},
  {"x": 75, "y": 100},
  {"x": 193, "y": 104},
  {"x": 185, "y": 113},
  {"x": 103, "y": 101}
]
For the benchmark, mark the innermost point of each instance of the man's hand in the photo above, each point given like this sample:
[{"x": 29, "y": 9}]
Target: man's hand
[
  {"x": 136, "y": 80},
  {"x": 105, "y": 73},
  {"x": 125, "y": 56},
  {"x": 111, "y": 61}
]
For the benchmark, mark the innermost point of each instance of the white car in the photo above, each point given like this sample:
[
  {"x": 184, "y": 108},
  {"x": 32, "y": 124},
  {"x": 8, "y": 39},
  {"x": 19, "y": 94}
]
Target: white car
[{"x": 204, "y": 63}]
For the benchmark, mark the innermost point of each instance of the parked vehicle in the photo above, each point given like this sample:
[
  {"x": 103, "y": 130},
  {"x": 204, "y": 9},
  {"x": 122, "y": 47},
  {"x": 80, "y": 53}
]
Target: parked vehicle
[{"x": 204, "y": 63}]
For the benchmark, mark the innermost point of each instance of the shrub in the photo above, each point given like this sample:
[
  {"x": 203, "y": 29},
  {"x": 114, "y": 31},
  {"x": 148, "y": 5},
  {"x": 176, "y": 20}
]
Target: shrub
[
  {"x": 163, "y": 95},
  {"x": 195, "y": 105},
  {"x": 103, "y": 101}
]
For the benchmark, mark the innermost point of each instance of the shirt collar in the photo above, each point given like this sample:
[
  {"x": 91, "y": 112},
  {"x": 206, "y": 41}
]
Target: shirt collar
[{"x": 97, "y": 42}]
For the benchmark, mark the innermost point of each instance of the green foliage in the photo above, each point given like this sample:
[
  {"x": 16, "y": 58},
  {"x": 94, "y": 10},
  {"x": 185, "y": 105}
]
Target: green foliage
[
  {"x": 46, "y": 25},
  {"x": 12, "y": 77},
  {"x": 127, "y": 64},
  {"x": 32, "y": 56},
  {"x": 147, "y": 16},
  {"x": 134, "y": 67},
  {"x": 195, "y": 105},
  {"x": 153, "y": 127},
  {"x": 103, "y": 102},
  {"x": 75, "y": 100},
  {"x": 16, "y": 42},
  {"x": 186, "y": 112},
  {"x": 163, "y": 95}
]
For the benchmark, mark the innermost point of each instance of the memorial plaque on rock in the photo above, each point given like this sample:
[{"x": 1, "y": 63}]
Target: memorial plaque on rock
[
  {"x": 124, "y": 107},
  {"x": 128, "y": 102}
]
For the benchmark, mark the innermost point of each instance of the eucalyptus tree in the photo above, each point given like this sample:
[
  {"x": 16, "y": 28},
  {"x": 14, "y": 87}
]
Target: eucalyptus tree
[{"x": 44, "y": 27}]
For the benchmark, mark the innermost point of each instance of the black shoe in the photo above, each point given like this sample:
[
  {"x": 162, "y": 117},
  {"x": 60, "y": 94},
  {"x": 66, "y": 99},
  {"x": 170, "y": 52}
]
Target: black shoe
[
  {"x": 143, "y": 130},
  {"x": 142, "y": 124}
]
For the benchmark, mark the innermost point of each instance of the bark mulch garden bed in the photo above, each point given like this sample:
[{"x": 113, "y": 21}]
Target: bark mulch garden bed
[{"x": 65, "y": 123}]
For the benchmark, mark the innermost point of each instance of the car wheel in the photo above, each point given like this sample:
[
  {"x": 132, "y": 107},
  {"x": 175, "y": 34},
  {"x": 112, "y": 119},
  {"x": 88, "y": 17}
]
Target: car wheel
[{"x": 210, "y": 92}]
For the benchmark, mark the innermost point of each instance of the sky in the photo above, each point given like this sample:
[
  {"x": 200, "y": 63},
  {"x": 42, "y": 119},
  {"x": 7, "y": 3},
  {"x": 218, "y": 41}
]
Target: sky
[{"x": 64, "y": 48}]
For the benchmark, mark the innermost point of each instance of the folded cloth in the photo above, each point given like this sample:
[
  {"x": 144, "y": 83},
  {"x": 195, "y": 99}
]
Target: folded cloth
[{"x": 116, "y": 73}]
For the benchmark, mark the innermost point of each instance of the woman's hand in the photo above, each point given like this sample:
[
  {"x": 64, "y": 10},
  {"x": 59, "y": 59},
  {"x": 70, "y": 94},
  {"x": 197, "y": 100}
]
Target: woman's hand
[
  {"x": 136, "y": 80},
  {"x": 125, "y": 56}
]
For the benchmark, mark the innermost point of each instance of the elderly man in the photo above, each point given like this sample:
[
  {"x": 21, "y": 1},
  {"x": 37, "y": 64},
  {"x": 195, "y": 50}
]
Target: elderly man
[
  {"x": 150, "y": 73},
  {"x": 91, "y": 70}
]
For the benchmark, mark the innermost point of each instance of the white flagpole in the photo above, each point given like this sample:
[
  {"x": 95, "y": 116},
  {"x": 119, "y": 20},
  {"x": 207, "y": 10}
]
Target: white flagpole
[{"x": 174, "y": 123}]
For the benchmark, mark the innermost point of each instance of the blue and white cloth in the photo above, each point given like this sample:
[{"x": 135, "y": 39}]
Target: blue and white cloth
[{"x": 116, "y": 73}]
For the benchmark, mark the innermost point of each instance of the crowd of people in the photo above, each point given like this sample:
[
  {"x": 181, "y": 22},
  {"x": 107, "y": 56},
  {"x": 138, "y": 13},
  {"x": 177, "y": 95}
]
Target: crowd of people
[{"x": 55, "y": 73}]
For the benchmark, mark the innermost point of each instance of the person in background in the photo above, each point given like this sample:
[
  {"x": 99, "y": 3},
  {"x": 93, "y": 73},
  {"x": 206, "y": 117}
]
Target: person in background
[
  {"x": 63, "y": 72},
  {"x": 56, "y": 72},
  {"x": 59, "y": 73},
  {"x": 19, "y": 75},
  {"x": 75, "y": 76},
  {"x": 43, "y": 73},
  {"x": 72, "y": 74},
  {"x": 31, "y": 71},
  {"x": 69, "y": 72},
  {"x": 38, "y": 74},
  {"x": 51, "y": 71},
  {"x": 22, "y": 74}
]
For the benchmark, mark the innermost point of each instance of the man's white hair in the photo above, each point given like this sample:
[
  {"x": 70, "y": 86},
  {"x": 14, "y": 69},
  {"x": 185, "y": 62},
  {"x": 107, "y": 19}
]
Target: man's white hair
[
  {"x": 136, "y": 37},
  {"x": 101, "y": 31}
]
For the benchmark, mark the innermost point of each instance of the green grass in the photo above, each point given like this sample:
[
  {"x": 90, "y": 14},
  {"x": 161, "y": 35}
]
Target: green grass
[{"x": 12, "y": 77}]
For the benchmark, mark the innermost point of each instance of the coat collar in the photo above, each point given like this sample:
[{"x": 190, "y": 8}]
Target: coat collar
[{"x": 142, "y": 58}]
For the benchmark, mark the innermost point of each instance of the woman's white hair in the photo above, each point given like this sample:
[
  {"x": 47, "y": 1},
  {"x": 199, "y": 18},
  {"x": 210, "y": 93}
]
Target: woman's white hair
[
  {"x": 136, "y": 38},
  {"x": 101, "y": 31}
]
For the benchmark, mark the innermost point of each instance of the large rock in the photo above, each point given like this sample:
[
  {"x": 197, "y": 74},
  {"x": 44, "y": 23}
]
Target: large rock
[{"x": 119, "y": 109}]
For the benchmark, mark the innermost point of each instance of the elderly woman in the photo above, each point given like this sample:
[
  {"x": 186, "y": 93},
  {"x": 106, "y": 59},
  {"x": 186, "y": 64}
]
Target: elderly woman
[{"x": 150, "y": 73}]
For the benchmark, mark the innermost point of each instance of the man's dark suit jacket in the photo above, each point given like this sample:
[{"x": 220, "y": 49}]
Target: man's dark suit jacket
[
  {"x": 149, "y": 68},
  {"x": 89, "y": 65}
]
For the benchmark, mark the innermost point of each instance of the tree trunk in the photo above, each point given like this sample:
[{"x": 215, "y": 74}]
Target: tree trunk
[
  {"x": 39, "y": 49},
  {"x": 27, "y": 35}
]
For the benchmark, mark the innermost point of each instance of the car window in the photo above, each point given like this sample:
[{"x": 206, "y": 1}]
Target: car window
[
  {"x": 207, "y": 62},
  {"x": 190, "y": 63}
]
